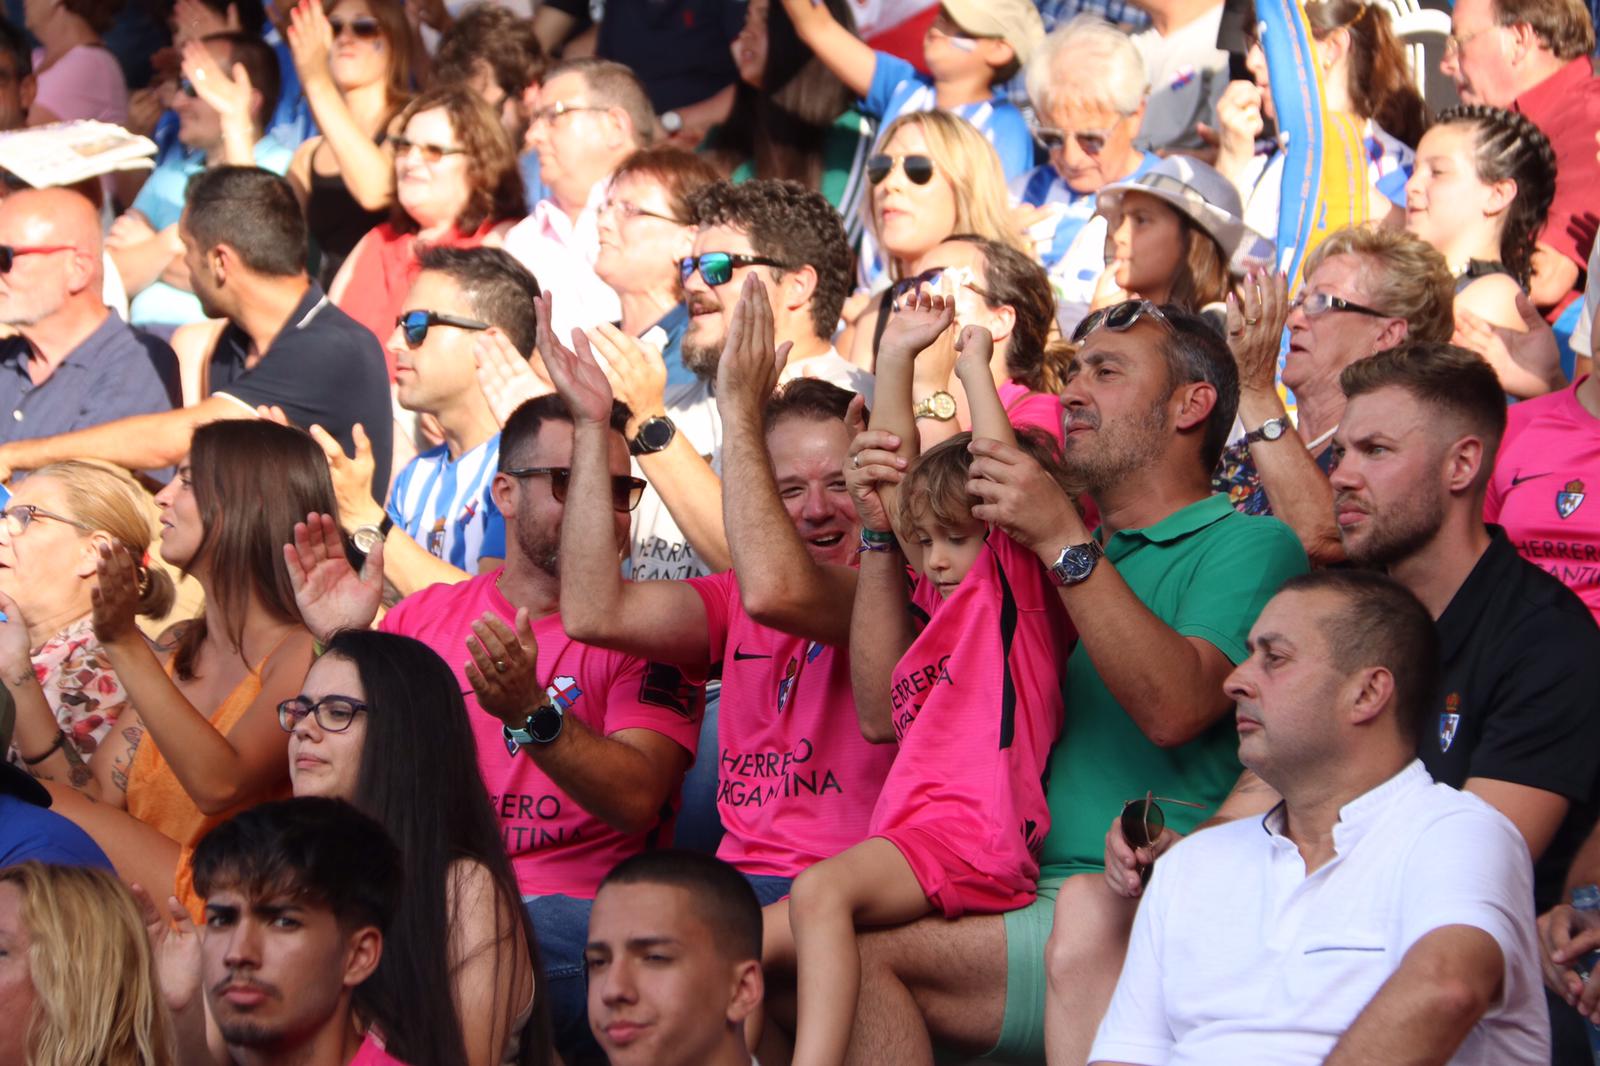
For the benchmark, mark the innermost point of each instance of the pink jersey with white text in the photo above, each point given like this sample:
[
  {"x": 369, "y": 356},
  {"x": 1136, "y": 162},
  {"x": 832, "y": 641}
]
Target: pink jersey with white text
[
  {"x": 977, "y": 706},
  {"x": 796, "y": 780},
  {"x": 1026, "y": 409},
  {"x": 1546, "y": 489},
  {"x": 556, "y": 847}
]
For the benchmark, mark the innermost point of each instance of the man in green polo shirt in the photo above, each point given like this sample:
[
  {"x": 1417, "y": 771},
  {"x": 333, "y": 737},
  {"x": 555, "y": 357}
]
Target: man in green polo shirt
[{"x": 1163, "y": 600}]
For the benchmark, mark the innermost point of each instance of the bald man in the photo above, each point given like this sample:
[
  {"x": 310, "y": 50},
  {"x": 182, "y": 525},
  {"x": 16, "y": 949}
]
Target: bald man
[{"x": 70, "y": 362}]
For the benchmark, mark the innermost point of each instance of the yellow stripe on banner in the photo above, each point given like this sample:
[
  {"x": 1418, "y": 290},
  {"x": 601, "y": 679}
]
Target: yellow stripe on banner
[{"x": 1345, "y": 188}]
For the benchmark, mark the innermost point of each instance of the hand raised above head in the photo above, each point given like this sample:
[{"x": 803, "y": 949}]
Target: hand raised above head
[
  {"x": 916, "y": 320},
  {"x": 751, "y": 359},
  {"x": 574, "y": 371}
]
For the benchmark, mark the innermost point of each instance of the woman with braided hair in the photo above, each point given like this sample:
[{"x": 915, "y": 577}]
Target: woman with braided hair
[{"x": 1483, "y": 183}]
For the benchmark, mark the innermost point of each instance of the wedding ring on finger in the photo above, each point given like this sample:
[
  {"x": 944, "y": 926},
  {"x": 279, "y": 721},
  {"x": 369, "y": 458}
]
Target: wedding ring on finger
[
  {"x": 855, "y": 460},
  {"x": 500, "y": 665}
]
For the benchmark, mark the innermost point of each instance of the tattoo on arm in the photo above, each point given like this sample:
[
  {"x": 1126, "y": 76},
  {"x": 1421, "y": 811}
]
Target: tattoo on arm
[
  {"x": 123, "y": 764},
  {"x": 78, "y": 774}
]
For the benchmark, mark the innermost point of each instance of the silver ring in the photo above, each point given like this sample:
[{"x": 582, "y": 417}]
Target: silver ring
[
  {"x": 500, "y": 665},
  {"x": 855, "y": 460}
]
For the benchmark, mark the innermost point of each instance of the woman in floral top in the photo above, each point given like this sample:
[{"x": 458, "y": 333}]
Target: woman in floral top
[{"x": 50, "y": 542}]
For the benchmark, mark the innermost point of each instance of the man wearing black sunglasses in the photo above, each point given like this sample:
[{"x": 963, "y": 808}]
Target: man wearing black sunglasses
[{"x": 1372, "y": 915}]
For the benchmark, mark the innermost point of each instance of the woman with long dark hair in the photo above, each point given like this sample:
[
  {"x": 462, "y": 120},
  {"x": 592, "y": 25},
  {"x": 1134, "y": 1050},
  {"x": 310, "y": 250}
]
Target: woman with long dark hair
[
  {"x": 381, "y": 723},
  {"x": 200, "y": 738}
]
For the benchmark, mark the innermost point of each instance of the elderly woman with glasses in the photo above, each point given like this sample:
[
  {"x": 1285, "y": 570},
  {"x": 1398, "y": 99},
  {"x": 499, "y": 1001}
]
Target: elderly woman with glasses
[{"x": 65, "y": 690}]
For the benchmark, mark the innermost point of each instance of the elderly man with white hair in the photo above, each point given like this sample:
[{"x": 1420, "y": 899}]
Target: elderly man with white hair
[{"x": 1087, "y": 81}]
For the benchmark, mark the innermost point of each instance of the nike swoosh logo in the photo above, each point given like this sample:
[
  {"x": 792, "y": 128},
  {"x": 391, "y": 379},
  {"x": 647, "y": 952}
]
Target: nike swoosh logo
[
  {"x": 739, "y": 656},
  {"x": 1515, "y": 481}
]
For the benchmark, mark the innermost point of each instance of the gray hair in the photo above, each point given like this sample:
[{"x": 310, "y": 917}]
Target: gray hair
[{"x": 1106, "y": 69}]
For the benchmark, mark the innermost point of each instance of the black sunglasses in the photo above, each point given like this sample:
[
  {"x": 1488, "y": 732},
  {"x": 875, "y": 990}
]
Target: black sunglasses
[
  {"x": 415, "y": 324},
  {"x": 716, "y": 268},
  {"x": 1119, "y": 317},
  {"x": 626, "y": 491},
  {"x": 918, "y": 168},
  {"x": 333, "y": 713},
  {"x": 1142, "y": 823},
  {"x": 365, "y": 29}
]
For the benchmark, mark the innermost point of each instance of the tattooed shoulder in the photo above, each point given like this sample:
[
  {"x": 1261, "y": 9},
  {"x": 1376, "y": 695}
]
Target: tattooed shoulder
[{"x": 122, "y": 765}]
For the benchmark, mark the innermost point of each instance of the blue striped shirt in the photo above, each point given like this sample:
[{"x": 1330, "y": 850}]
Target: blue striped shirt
[
  {"x": 1044, "y": 186},
  {"x": 898, "y": 88},
  {"x": 445, "y": 506}
]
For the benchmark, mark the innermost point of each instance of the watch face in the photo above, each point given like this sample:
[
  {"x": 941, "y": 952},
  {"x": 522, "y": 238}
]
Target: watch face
[
  {"x": 545, "y": 724},
  {"x": 365, "y": 539},
  {"x": 1272, "y": 429},
  {"x": 1076, "y": 562},
  {"x": 655, "y": 434},
  {"x": 943, "y": 404}
]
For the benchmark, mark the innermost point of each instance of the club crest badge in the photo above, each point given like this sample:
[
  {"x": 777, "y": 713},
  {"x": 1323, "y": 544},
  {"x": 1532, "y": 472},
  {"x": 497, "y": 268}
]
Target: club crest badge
[
  {"x": 1570, "y": 498},
  {"x": 1449, "y": 721}
]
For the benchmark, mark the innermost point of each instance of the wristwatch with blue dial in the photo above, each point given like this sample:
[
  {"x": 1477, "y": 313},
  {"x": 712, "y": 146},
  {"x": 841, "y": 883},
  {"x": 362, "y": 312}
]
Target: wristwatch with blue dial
[{"x": 1075, "y": 563}]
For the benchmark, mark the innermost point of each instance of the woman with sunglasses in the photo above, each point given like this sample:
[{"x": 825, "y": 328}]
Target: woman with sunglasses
[
  {"x": 1484, "y": 181},
  {"x": 199, "y": 739},
  {"x": 933, "y": 175},
  {"x": 354, "y": 64},
  {"x": 456, "y": 184},
  {"x": 68, "y": 698},
  {"x": 461, "y": 924}
]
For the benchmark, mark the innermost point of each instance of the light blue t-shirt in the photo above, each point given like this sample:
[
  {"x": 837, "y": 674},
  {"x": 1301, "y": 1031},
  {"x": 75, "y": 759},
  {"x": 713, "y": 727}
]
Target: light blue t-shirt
[
  {"x": 898, "y": 88},
  {"x": 161, "y": 203},
  {"x": 1043, "y": 186}
]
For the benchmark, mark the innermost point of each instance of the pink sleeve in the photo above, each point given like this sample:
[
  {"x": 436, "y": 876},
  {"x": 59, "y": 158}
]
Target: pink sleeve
[
  {"x": 1037, "y": 410},
  {"x": 720, "y": 594},
  {"x": 654, "y": 696}
]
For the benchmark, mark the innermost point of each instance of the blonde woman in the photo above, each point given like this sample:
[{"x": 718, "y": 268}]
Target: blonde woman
[
  {"x": 77, "y": 976},
  {"x": 67, "y": 695}
]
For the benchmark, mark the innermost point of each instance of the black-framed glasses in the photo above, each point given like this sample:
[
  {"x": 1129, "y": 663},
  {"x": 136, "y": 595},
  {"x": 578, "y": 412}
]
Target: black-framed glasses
[
  {"x": 415, "y": 324},
  {"x": 548, "y": 115},
  {"x": 1053, "y": 139},
  {"x": 9, "y": 253},
  {"x": 962, "y": 276},
  {"x": 918, "y": 168},
  {"x": 365, "y": 29},
  {"x": 1143, "y": 821},
  {"x": 1320, "y": 303},
  {"x": 20, "y": 516},
  {"x": 333, "y": 713},
  {"x": 1119, "y": 317},
  {"x": 626, "y": 491},
  {"x": 626, "y": 211},
  {"x": 716, "y": 268},
  {"x": 431, "y": 153},
  {"x": 186, "y": 87}
]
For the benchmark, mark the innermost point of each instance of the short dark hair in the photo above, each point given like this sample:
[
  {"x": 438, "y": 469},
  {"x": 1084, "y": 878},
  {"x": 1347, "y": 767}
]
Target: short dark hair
[
  {"x": 312, "y": 848},
  {"x": 15, "y": 43},
  {"x": 252, "y": 211},
  {"x": 499, "y": 289},
  {"x": 809, "y": 398},
  {"x": 1195, "y": 351},
  {"x": 260, "y": 62},
  {"x": 612, "y": 84},
  {"x": 1448, "y": 380},
  {"x": 1014, "y": 280},
  {"x": 522, "y": 428},
  {"x": 488, "y": 33},
  {"x": 792, "y": 224},
  {"x": 1380, "y": 623},
  {"x": 726, "y": 903}
]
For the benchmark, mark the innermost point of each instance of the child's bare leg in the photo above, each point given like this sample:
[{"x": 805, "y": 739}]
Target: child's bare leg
[{"x": 869, "y": 884}]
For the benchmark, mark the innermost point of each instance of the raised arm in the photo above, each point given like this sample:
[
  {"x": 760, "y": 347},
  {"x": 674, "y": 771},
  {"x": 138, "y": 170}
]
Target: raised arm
[
  {"x": 233, "y": 98},
  {"x": 975, "y": 347},
  {"x": 662, "y": 620},
  {"x": 781, "y": 584},
  {"x": 915, "y": 324},
  {"x": 366, "y": 167},
  {"x": 327, "y": 590},
  {"x": 851, "y": 59}
]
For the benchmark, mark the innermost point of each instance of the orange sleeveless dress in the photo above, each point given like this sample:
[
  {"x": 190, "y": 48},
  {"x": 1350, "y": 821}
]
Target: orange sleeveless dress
[{"x": 157, "y": 798}]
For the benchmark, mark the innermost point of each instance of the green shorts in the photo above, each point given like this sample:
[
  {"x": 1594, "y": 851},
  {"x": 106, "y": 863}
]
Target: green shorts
[{"x": 1027, "y": 930}]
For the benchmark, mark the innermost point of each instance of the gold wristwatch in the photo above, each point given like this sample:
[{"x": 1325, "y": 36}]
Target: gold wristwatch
[{"x": 940, "y": 405}]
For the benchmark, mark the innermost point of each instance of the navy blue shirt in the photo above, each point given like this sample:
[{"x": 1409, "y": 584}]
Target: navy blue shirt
[
  {"x": 323, "y": 368},
  {"x": 116, "y": 371}
]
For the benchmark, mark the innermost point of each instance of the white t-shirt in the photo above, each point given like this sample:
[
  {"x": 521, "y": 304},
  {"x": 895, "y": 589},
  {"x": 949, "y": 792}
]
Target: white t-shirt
[
  {"x": 1187, "y": 73},
  {"x": 832, "y": 367},
  {"x": 660, "y": 550},
  {"x": 1237, "y": 956}
]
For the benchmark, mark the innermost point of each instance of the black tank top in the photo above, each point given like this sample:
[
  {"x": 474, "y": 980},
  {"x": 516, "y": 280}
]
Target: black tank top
[
  {"x": 336, "y": 221},
  {"x": 1480, "y": 268}
]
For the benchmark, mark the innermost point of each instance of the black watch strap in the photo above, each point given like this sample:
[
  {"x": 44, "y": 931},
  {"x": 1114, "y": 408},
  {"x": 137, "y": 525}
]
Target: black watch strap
[{"x": 654, "y": 435}]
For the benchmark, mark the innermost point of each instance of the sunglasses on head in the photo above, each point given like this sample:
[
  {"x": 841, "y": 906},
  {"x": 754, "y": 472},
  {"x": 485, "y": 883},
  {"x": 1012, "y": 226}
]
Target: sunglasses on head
[
  {"x": 365, "y": 29},
  {"x": 716, "y": 268},
  {"x": 1119, "y": 317},
  {"x": 1142, "y": 822},
  {"x": 626, "y": 491},
  {"x": 1090, "y": 142},
  {"x": 918, "y": 168},
  {"x": 9, "y": 253},
  {"x": 415, "y": 324},
  {"x": 431, "y": 153}
]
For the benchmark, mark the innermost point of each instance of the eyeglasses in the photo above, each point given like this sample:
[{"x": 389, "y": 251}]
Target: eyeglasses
[
  {"x": 415, "y": 324},
  {"x": 431, "y": 153},
  {"x": 1320, "y": 303},
  {"x": 364, "y": 29},
  {"x": 716, "y": 268},
  {"x": 1453, "y": 44},
  {"x": 186, "y": 87},
  {"x": 21, "y": 516},
  {"x": 9, "y": 253},
  {"x": 629, "y": 211},
  {"x": 918, "y": 168},
  {"x": 548, "y": 115},
  {"x": 1119, "y": 317},
  {"x": 962, "y": 277},
  {"x": 1142, "y": 823},
  {"x": 333, "y": 713},
  {"x": 626, "y": 492},
  {"x": 1090, "y": 142}
]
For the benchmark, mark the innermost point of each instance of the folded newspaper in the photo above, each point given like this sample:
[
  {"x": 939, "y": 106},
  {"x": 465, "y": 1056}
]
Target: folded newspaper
[{"x": 64, "y": 153}]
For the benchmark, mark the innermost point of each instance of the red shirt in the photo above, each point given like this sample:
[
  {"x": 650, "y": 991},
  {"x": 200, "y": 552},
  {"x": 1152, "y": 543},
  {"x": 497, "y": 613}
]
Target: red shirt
[
  {"x": 796, "y": 780},
  {"x": 1566, "y": 108}
]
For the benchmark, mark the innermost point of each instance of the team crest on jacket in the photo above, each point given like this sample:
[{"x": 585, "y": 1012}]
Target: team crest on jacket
[
  {"x": 1570, "y": 498},
  {"x": 1449, "y": 721}
]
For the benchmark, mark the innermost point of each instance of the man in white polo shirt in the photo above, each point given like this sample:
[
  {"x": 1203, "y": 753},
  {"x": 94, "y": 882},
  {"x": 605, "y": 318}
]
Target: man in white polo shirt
[{"x": 1373, "y": 915}]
